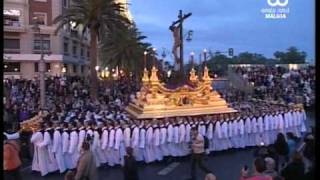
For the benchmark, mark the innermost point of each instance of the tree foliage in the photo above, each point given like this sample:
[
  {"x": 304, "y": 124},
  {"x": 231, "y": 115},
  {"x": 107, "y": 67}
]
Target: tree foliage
[
  {"x": 97, "y": 16},
  {"x": 292, "y": 56}
]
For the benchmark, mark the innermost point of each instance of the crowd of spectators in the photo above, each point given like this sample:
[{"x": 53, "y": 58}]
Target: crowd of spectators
[
  {"x": 278, "y": 84},
  {"x": 66, "y": 97}
]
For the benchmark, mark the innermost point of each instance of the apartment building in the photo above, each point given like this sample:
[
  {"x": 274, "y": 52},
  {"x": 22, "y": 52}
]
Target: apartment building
[{"x": 64, "y": 52}]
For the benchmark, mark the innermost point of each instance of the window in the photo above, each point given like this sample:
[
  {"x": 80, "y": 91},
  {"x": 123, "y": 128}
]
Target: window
[
  {"x": 82, "y": 69},
  {"x": 74, "y": 49},
  {"x": 66, "y": 47},
  {"x": 66, "y": 67},
  {"x": 48, "y": 67},
  {"x": 11, "y": 43},
  {"x": 36, "y": 67},
  {"x": 11, "y": 67},
  {"x": 82, "y": 51},
  {"x": 42, "y": 17},
  {"x": 65, "y": 3},
  {"x": 88, "y": 53},
  {"x": 11, "y": 17},
  {"x": 45, "y": 42},
  {"x": 75, "y": 68}
]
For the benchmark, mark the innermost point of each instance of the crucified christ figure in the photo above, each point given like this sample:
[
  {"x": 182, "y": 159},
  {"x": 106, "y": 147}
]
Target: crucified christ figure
[{"x": 177, "y": 42}]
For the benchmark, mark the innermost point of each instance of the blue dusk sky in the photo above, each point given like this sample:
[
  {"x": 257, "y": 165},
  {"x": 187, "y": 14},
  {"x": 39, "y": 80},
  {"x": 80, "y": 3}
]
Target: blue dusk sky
[{"x": 221, "y": 24}]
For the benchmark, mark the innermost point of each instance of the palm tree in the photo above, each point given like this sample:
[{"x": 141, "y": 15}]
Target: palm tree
[
  {"x": 96, "y": 17},
  {"x": 124, "y": 48}
]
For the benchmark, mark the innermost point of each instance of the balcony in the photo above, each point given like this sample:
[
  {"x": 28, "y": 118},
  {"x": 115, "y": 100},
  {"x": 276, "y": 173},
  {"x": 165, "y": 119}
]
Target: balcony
[
  {"x": 74, "y": 33},
  {"x": 13, "y": 26}
]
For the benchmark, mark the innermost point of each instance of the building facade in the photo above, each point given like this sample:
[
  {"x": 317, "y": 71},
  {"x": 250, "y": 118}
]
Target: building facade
[{"x": 64, "y": 52}]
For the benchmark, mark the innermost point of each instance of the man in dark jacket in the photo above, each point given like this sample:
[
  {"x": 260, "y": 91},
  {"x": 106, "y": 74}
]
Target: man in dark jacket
[
  {"x": 130, "y": 169},
  {"x": 295, "y": 169}
]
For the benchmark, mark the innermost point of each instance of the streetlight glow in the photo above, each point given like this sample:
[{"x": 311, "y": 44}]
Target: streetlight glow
[
  {"x": 205, "y": 50},
  {"x": 97, "y": 68},
  {"x": 145, "y": 52}
]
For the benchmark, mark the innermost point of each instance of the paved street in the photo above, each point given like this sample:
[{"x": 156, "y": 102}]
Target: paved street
[{"x": 225, "y": 165}]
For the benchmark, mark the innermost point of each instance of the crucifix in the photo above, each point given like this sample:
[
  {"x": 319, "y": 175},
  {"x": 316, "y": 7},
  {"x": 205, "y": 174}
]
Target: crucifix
[{"x": 177, "y": 29}]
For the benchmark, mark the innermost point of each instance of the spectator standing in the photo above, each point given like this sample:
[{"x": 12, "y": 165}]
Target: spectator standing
[
  {"x": 270, "y": 167},
  {"x": 259, "y": 168},
  {"x": 295, "y": 169},
  {"x": 130, "y": 166},
  {"x": 197, "y": 153},
  {"x": 86, "y": 167},
  {"x": 292, "y": 143},
  {"x": 282, "y": 149},
  {"x": 11, "y": 159}
]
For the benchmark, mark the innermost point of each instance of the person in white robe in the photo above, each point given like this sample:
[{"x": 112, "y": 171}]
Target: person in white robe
[
  {"x": 182, "y": 136},
  {"x": 241, "y": 132},
  {"x": 233, "y": 143},
  {"x": 47, "y": 144},
  {"x": 119, "y": 146},
  {"x": 82, "y": 135},
  {"x": 291, "y": 121},
  {"x": 96, "y": 147},
  {"x": 156, "y": 143},
  {"x": 65, "y": 146},
  {"x": 40, "y": 156},
  {"x": 286, "y": 118},
  {"x": 135, "y": 142},
  {"x": 142, "y": 143},
  {"x": 187, "y": 148},
  {"x": 104, "y": 142},
  {"x": 170, "y": 142},
  {"x": 126, "y": 135},
  {"x": 148, "y": 150},
  {"x": 209, "y": 133},
  {"x": 254, "y": 131},
  {"x": 274, "y": 125},
  {"x": 225, "y": 143},
  {"x": 177, "y": 151},
  {"x": 248, "y": 131},
  {"x": 57, "y": 149},
  {"x": 303, "y": 118},
  {"x": 260, "y": 124},
  {"x": 280, "y": 122},
  {"x": 110, "y": 149},
  {"x": 235, "y": 132},
  {"x": 267, "y": 129},
  {"x": 217, "y": 136},
  {"x": 163, "y": 140},
  {"x": 296, "y": 126},
  {"x": 73, "y": 147}
]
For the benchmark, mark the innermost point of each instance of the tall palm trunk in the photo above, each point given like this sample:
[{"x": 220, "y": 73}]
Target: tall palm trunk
[{"x": 93, "y": 64}]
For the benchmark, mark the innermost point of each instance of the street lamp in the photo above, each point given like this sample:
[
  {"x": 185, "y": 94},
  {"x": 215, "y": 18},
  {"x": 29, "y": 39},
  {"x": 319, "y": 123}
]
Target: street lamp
[
  {"x": 191, "y": 58},
  {"x": 145, "y": 58},
  {"x": 205, "y": 56},
  {"x": 154, "y": 56},
  {"x": 36, "y": 29}
]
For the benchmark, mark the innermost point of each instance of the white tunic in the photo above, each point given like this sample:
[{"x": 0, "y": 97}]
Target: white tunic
[
  {"x": 126, "y": 134},
  {"x": 241, "y": 130},
  {"x": 217, "y": 136},
  {"x": 57, "y": 150},
  {"x": 171, "y": 147},
  {"x": 104, "y": 144},
  {"x": 156, "y": 145},
  {"x": 148, "y": 151},
  {"x": 65, "y": 149},
  {"x": 47, "y": 143},
  {"x": 281, "y": 123},
  {"x": 119, "y": 146},
  {"x": 163, "y": 141},
  {"x": 73, "y": 149},
  {"x": 110, "y": 150},
  {"x": 183, "y": 146},
  {"x": 40, "y": 157},
  {"x": 142, "y": 143},
  {"x": 135, "y": 144},
  {"x": 248, "y": 132},
  {"x": 82, "y": 136}
]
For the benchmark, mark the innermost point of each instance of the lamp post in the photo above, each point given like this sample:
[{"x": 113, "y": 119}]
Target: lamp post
[
  {"x": 36, "y": 29},
  {"x": 154, "y": 56},
  {"x": 145, "y": 59},
  {"x": 191, "y": 58},
  {"x": 205, "y": 56}
]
